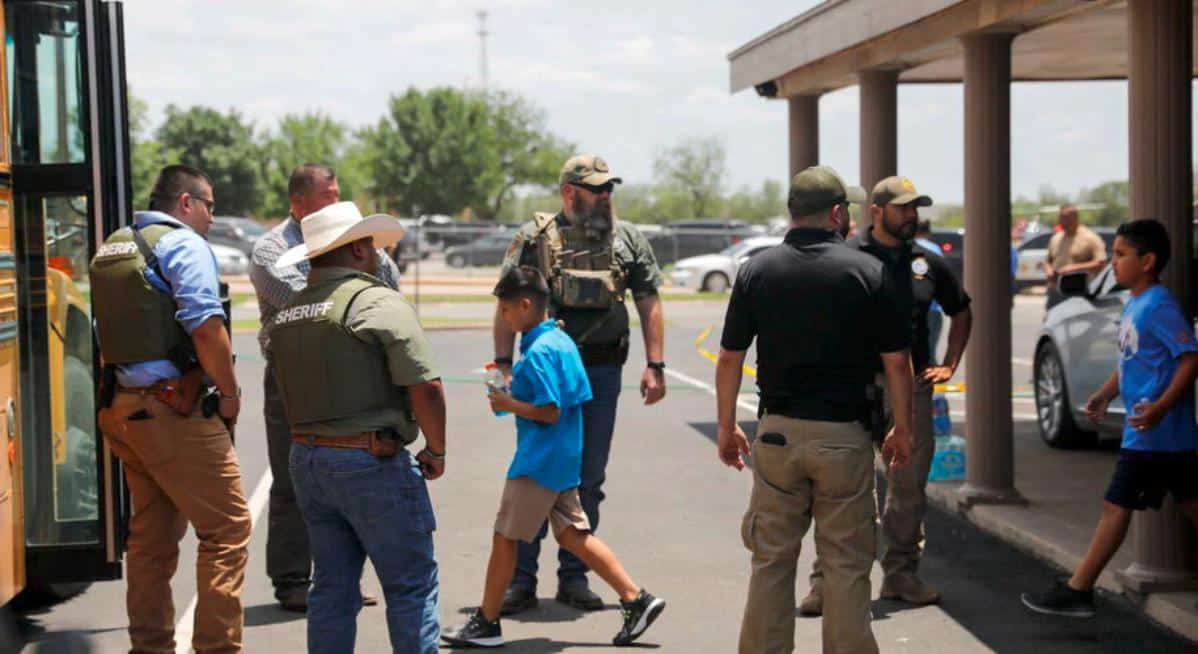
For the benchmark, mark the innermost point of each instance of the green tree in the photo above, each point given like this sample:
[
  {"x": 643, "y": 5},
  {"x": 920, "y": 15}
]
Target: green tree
[
  {"x": 146, "y": 155},
  {"x": 1114, "y": 198},
  {"x": 297, "y": 139},
  {"x": 697, "y": 167},
  {"x": 222, "y": 145},
  {"x": 444, "y": 150}
]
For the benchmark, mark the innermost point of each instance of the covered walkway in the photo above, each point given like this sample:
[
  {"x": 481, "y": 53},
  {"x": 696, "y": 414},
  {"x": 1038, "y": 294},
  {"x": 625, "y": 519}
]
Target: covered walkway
[{"x": 986, "y": 45}]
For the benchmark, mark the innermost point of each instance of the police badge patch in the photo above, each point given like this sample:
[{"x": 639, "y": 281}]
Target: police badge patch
[{"x": 919, "y": 267}]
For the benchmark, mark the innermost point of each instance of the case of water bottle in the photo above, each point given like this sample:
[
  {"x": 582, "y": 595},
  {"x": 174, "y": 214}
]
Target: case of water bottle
[{"x": 948, "y": 462}]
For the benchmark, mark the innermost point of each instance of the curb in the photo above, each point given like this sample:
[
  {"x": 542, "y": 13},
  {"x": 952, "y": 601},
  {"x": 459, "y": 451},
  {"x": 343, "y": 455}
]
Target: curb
[{"x": 1174, "y": 611}]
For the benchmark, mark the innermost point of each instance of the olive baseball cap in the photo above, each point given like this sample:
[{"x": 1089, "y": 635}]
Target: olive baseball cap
[
  {"x": 586, "y": 169},
  {"x": 818, "y": 188},
  {"x": 898, "y": 190}
]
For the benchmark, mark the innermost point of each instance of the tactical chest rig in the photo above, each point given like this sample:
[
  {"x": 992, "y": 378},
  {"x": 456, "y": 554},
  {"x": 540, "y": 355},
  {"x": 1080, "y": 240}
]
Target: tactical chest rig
[{"x": 586, "y": 278}]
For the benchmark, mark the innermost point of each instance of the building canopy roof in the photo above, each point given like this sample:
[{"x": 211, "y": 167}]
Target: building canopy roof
[{"x": 824, "y": 48}]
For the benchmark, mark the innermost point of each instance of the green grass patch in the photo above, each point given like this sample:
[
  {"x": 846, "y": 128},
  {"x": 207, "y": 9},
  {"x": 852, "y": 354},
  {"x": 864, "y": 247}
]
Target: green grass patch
[{"x": 241, "y": 298}]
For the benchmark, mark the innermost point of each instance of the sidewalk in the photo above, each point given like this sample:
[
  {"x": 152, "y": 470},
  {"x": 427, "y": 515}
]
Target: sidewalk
[{"x": 1064, "y": 489}]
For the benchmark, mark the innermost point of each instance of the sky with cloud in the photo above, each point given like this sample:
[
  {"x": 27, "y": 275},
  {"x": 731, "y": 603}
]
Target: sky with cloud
[{"x": 621, "y": 78}]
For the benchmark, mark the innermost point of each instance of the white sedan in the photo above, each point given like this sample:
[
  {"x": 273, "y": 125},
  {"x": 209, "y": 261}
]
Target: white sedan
[
  {"x": 715, "y": 272},
  {"x": 230, "y": 260}
]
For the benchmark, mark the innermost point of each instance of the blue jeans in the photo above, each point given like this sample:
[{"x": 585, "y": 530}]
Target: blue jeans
[
  {"x": 355, "y": 506},
  {"x": 598, "y": 424}
]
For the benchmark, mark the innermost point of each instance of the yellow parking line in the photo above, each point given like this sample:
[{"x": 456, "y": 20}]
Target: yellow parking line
[
  {"x": 712, "y": 356},
  {"x": 751, "y": 371}
]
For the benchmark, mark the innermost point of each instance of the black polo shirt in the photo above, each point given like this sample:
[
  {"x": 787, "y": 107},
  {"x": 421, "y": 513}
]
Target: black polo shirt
[
  {"x": 821, "y": 312},
  {"x": 921, "y": 277}
]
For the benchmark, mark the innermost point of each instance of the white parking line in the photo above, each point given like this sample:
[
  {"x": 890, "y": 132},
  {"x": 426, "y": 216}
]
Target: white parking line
[
  {"x": 744, "y": 404},
  {"x": 183, "y": 628}
]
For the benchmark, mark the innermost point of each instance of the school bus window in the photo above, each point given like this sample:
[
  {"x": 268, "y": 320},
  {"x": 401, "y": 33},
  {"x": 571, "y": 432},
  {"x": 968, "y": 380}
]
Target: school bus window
[{"x": 45, "y": 83}]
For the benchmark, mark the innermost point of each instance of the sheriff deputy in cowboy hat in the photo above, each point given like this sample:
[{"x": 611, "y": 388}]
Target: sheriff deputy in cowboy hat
[{"x": 359, "y": 385}]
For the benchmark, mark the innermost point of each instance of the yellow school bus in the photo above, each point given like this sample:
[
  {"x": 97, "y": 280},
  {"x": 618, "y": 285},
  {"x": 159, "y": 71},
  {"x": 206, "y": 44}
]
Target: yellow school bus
[{"x": 64, "y": 183}]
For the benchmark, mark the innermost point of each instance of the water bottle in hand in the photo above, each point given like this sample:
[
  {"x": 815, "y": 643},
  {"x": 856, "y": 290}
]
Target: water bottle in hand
[{"x": 493, "y": 378}]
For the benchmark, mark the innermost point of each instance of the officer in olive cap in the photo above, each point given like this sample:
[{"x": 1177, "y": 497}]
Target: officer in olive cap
[
  {"x": 822, "y": 312},
  {"x": 921, "y": 277},
  {"x": 591, "y": 260}
]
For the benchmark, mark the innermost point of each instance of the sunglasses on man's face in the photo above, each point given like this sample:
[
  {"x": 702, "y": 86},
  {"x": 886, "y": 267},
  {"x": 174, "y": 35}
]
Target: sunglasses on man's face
[
  {"x": 597, "y": 190},
  {"x": 211, "y": 204}
]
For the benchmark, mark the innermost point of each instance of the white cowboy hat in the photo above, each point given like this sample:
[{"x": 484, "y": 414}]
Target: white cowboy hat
[{"x": 337, "y": 225}]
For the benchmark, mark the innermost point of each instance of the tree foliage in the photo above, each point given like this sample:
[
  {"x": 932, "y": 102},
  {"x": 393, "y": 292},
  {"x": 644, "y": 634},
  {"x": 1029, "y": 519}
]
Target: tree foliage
[
  {"x": 697, "y": 167},
  {"x": 222, "y": 145},
  {"x": 311, "y": 137}
]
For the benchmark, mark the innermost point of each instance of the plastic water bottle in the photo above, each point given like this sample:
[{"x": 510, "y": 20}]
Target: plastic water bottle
[
  {"x": 942, "y": 421},
  {"x": 948, "y": 462},
  {"x": 493, "y": 378}
]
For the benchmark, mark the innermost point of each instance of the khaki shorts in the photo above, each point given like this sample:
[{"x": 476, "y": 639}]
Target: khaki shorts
[{"x": 526, "y": 504}]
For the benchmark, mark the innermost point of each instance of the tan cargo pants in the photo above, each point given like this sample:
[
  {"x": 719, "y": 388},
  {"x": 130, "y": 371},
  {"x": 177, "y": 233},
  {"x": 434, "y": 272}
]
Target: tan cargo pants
[
  {"x": 823, "y": 471},
  {"x": 180, "y": 470},
  {"x": 906, "y": 497}
]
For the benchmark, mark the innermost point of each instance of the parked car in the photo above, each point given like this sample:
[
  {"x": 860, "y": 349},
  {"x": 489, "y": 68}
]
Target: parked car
[
  {"x": 230, "y": 260},
  {"x": 485, "y": 251},
  {"x": 688, "y": 238},
  {"x": 235, "y": 232},
  {"x": 952, "y": 243},
  {"x": 1034, "y": 252},
  {"x": 715, "y": 272}
]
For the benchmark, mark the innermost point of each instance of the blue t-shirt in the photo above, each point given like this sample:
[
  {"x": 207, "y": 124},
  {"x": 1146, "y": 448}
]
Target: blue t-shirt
[
  {"x": 1153, "y": 334},
  {"x": 550, "y": 371}
]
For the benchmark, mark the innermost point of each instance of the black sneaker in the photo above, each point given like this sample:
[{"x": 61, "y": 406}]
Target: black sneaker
[
  {"x": 580, "y": 597},
  {"x": 1061, "y": 600},
  {"x": 517, "y": 600},
  {"x": 638, "y": 615},
  {"x": 477, "y": 632}
]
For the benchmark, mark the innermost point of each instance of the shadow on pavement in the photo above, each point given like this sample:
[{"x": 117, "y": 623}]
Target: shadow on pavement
[
  {"x": 547, "y": 646},
  {"x": 267, "y": 614},
  {"x": 546, "y": 610},
  {"x": 980, "y": 579}
]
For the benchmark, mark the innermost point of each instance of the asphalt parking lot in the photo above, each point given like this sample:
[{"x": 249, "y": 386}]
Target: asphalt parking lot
[{"x": 672, "y": 515}]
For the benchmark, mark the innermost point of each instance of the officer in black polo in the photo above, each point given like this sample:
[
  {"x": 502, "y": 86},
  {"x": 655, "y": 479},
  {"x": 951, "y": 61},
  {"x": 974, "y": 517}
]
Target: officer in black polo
[
  {"x": 921, "y": 277},
  {"x": 821, "y": 313}
]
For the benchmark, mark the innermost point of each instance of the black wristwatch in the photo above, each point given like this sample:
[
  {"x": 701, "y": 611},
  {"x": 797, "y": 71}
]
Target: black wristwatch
[
  {"x": 657, "y": 365},
  {"x": 503, "y": 361}
]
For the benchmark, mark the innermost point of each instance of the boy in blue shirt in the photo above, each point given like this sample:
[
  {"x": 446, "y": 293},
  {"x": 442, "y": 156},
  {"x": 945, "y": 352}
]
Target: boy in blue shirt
[
  {"x": 1158, "y": 359},
  {"x": 549, "y": 386}
]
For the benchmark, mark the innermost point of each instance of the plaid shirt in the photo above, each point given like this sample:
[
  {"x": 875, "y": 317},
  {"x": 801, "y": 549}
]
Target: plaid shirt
[{"x": 276, "y": 286}]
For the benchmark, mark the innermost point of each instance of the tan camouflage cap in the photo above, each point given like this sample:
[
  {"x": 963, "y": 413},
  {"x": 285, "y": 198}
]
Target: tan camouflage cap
[
  {"x": 818, "y": 188},
  {"x": 898, "y": 190},
  {"x": 587, "y": 169}
]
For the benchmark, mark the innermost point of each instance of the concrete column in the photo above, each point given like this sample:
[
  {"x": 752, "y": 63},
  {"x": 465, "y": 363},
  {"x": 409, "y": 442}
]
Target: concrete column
[
  {"x": 803, "y": 128},
  {"x": 1160, "y": 48},
  {"x": 990, "y": 465},
  {"x": 879, "y": 130}
]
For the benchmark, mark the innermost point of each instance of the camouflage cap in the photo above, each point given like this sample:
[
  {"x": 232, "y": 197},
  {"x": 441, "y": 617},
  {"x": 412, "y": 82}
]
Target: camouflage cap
[
  {"x": 586, "y": 169},
  {"x": 898, "y": 190},
  {"x": 818, "y": 188}
]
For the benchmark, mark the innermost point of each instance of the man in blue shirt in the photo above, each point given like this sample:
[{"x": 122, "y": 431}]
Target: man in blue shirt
[
  {"x": 549, "y": 386},
  {"x": 180, "y": 464},
  {"x": 1158, "y": 361}
]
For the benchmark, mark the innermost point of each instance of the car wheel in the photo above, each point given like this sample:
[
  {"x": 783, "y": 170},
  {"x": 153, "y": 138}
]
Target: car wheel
[
  {"x": 456, "y": 261},
  {"x": 1053, "y": 410},
  {"x": 715, "y": 282}
]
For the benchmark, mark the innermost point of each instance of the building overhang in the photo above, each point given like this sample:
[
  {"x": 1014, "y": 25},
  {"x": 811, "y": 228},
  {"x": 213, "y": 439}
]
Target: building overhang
[{"x": 824, "y": 48}]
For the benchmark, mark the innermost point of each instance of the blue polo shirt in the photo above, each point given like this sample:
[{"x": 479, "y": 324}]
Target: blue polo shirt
[
  {"x": 1153, "y": 334},
  {"x": 549, "y": 372}
]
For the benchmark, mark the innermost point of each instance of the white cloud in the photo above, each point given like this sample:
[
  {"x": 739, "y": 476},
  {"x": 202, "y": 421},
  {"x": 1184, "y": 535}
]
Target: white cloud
[{"x": 436, "y": 33}]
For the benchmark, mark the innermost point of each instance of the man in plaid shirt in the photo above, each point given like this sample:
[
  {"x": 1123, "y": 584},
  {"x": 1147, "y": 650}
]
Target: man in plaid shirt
[{"x": 311, "y": 188}]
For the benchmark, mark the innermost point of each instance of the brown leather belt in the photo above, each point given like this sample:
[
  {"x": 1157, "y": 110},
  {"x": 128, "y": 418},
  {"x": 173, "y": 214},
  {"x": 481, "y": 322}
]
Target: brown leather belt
[{"x": 353, "y": 441}]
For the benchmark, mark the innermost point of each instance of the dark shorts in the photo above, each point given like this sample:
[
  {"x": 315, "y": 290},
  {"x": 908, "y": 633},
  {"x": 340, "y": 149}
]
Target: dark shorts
[{"x": 1142, "y": 478}]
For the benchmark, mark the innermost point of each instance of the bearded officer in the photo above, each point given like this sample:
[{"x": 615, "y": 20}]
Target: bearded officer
[
  {"x": 359, "y": 385},
  {"x": 590, "y": 259},
  {"x": 923, "y": 279}
]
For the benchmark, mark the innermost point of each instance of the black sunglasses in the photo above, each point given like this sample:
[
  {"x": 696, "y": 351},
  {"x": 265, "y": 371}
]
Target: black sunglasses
[
  {"x": 211, "y": 204},
  {"x": 597, "y": 190}
]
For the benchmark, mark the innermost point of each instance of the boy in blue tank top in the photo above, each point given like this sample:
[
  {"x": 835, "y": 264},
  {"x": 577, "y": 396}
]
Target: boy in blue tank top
[
  {"x": 549, "y": 386},
  {"x": 1158, "y": 359}
]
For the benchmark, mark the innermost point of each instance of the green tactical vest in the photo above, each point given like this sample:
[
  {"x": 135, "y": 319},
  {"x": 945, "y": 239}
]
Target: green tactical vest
[
  {"x": 586, "y": 282},
  {"x": 324, "y": 371},
  {"x": 134, "y": 320}
]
